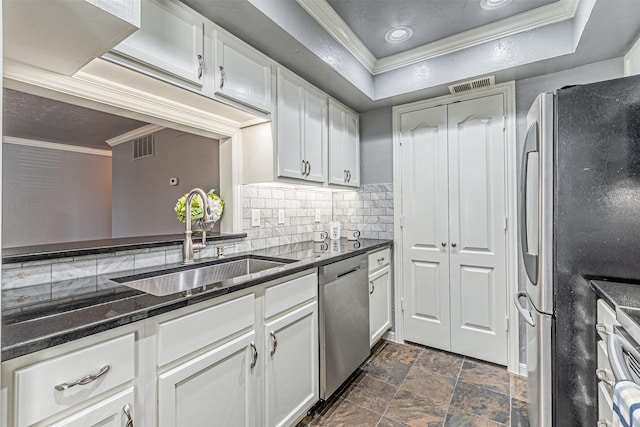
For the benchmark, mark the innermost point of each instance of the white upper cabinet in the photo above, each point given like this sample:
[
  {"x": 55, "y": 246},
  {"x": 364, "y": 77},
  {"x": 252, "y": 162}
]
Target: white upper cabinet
[
  {"x": 169, "y": 44},
  {"x": 241, "y": 73},
  {"x": 344, "y": 145},
  {"x": 302, "y": 130},
  {"x": 64, "y": 36}
]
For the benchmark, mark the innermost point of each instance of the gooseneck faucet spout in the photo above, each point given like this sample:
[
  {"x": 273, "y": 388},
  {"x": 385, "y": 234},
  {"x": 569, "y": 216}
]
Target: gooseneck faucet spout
[{"x": 188, "y": 246}]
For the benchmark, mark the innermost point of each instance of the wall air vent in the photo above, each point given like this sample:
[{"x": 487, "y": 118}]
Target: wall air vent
[
  {"x": 143, "y": 147},
  {"x": 472, "y": 84}
]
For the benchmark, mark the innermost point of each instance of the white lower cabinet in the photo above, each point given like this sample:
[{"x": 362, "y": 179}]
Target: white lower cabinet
[
  {"x": 379, "y": 303},
  {"x": 291, "y": 360},
  {"x": 215, "y": 388},
  {"x": 114, "y": 411}
]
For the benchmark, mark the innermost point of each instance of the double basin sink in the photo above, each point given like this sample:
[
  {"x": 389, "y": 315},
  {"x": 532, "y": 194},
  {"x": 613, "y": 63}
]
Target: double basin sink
[{"x": 188, "y": 277}]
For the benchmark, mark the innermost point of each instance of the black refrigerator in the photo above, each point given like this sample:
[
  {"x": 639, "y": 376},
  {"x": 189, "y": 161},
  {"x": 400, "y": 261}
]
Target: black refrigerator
[{"x": 579, "y": 214}]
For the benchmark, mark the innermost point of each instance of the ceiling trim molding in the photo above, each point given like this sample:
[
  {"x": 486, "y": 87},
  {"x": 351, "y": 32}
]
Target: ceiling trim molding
[
  {"x": 328, "y": 18},
  {"x": 54, "y": 146},
  {"x": 324, "y": 14},
  {"x": 136, "y": 133}
]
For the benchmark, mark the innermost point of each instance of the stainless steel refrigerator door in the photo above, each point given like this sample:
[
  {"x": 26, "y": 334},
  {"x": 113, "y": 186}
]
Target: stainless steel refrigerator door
[
  {"x": 538, "y": 362},
  {"x": 535, "y": 204}
]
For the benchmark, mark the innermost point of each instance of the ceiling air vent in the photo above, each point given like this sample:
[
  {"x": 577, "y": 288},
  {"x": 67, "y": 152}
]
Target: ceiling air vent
[
  {"x": 143, "y": 147},
  {"x": 473, "y": 84}
]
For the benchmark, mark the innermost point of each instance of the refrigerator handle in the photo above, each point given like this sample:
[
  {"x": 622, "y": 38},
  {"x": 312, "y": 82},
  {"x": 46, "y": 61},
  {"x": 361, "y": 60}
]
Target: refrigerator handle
[
  {"x": 526, "y": 314},
  {"x": 530, "y": 260}
]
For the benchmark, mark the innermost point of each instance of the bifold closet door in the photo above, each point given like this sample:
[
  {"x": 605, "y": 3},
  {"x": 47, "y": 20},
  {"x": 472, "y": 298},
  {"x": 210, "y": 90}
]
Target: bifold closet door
[
  {"x": 425, "y": 232},
  {"x": 477, "y": 207}
]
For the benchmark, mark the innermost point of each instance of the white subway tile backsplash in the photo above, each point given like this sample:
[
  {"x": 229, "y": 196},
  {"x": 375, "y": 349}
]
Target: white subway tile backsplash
[
  {"x": 115, "y": 264},
  {"x": 150, "y": 259}
]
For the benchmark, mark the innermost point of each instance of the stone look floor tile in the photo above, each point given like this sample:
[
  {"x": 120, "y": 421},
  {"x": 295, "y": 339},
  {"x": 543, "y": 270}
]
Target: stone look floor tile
[
  {"x": 447, "y": 364},
  {"x": 519, "y": 413},
  {"x": 351, "y": 415},
  {"x": 519, "y": 387},
  {"x": 429, "y": 384},
  {"x": 489, "y": 376},
  {"x": 414, "y": 410},
  {"x": 482, "y": 402},
  {"x": 392, "y": 363},
  {"x": 459, "y": 418},
  {"x": 386, "y": 422},
  {"x": 370, "y": 393}
]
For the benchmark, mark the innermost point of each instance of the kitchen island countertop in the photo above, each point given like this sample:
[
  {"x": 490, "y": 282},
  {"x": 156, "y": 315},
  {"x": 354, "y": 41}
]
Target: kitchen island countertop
[{"x": 59, "y": 321}]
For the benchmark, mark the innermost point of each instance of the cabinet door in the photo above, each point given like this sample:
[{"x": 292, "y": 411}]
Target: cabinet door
[
  {"x": 315, "y": 134},
  {"x": 379, "y": 304},
  {"x": 290, "y": 110},
  {"x": 170, "y": 40},
  {"x": 215, "y": 388},
  {"x": 352, "y": 148},
  {"x": 113, "y": 411},
  {"x": 291, "y": 359},
  {"x": 241, "y": 73},
  {"x": 337, "y": 165}
]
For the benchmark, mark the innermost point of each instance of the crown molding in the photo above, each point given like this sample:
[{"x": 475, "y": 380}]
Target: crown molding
[
  {"x": 134, "y": 134},
  {"x": 322, "y": 12},
  {"x": 55, "y": 146},
  {"x": 328, "y": 19}
]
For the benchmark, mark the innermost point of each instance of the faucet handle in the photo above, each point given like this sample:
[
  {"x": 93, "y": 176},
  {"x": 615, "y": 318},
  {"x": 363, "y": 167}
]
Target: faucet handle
[{"x": 220, "y": 251}]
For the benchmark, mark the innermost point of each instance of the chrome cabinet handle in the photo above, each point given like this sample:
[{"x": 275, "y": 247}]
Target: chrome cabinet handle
[
  {"x": 602, "y": 376},
  {"x": 84, "y": 380},
  {"x": 380, "y": 260},
  {"x": 345, "y": 176},
  {"x": 453, "y": 245},
  {"x": 348, "y": 175},
  {"x": 304, "y": 168},
  {"x": 223, "y": 76},
  {"x": 373, "y": 287},
  {"x": 275, "y": 342},
  {"x": 309, "y": 168},
  {"x": 127, "y": 412},
  {"x": 526, "y": 315},
  {"x": 443, "y": 244},
  {"x": 254, "y": 358},
  {"x": 602, "y": 328},
  {"x": 200, "y": 65}
]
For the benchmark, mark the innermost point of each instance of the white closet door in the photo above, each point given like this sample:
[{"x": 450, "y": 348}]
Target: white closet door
[
  {"x": 425, "y": 239},
  {"x": 477, "y": 229}
]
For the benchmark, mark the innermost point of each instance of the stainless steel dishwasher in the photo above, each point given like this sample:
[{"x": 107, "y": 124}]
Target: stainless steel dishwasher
[{"x": 344, "y": 321}]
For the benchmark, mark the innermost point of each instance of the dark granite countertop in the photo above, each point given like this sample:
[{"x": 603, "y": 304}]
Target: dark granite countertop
[
  {"x": 62, "y": 320},
  {"x": 102, "y": 246},
  {"x": 618, "y": 294}
]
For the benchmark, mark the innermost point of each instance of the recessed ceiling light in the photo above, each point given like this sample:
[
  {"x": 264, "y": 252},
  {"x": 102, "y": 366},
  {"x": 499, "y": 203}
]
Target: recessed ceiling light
[
  {"x": 493, "y": 4},
  {"x": 398, "y": 34}
]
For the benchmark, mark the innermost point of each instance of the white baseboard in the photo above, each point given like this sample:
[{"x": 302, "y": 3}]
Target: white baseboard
[
  {"x": 523, "y": 369},
  {"x": 390, "y": 336}
]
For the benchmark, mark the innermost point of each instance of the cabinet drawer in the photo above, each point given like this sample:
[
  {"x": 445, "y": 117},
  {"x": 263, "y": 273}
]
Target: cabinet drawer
[
  {"x": 35, "y": 385},
  {"x": 289, "y": 294},
  {"x": 379, "y": 259},
  {"x": 179, "y": 337},
  {"x": 606, "y": 319}
]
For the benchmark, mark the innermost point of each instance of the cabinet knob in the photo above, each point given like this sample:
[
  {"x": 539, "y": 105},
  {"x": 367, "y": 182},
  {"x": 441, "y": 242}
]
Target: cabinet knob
[
  {"x": 453, "y": 245},
  {"x": 443, "y": 244}
]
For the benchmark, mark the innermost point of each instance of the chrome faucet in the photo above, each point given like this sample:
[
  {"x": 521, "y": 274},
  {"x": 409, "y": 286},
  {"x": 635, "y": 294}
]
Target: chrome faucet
[{"x": 188, "y": 246}]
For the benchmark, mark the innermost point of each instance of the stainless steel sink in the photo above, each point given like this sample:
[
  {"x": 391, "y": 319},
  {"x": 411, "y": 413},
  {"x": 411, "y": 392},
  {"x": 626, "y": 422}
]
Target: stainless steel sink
[{"x": 180, "y": 279}]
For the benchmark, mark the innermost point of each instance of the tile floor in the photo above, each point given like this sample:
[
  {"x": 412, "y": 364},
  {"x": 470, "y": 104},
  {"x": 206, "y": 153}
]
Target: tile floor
[{"x": 411, "y": 385}]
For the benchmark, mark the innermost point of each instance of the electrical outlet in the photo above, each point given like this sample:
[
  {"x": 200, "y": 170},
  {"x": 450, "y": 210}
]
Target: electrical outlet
[
  {"x": 255, "y": 217},
  {"x": 280, "y": 216},
  {"x": 173, "y": 181},
  {"x": 318, "y": 216}
]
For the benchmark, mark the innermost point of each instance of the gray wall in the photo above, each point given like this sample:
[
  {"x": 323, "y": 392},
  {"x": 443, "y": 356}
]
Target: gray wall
[
  {"x": 52, "y": 196},
  {"x": 376, "y": 147},
  {"x": 143, "y": 200},
  {"x": 526, "y": 92}
]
